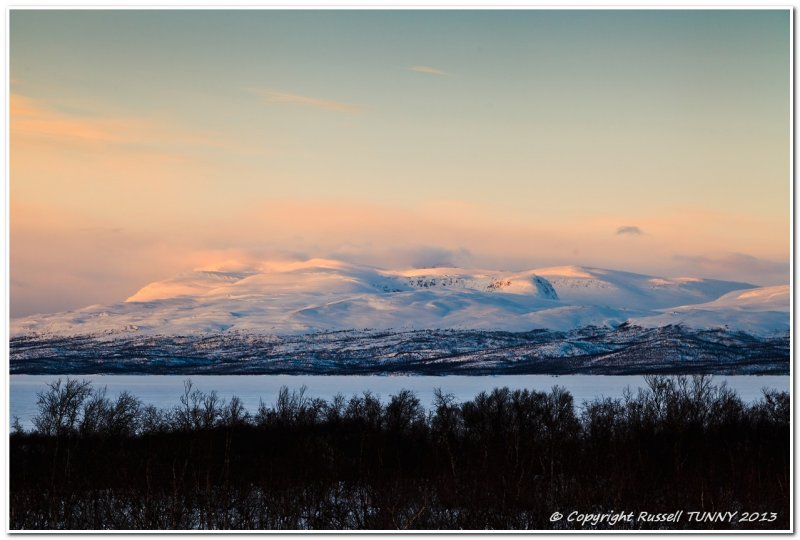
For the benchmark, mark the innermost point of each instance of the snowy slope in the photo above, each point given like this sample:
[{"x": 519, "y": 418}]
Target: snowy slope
[
  {"x": 756, "y": 311},
  {"x": 319, "y": 294},
  {"x": 596, "y": 286}
]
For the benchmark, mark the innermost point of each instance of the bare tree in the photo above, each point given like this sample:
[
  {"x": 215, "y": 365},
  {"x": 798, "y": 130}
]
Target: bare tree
[{"x": 60, "y": 405}]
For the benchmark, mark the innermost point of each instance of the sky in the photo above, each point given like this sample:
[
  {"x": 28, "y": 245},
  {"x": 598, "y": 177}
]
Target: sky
[{"x": 148, "y": 143}]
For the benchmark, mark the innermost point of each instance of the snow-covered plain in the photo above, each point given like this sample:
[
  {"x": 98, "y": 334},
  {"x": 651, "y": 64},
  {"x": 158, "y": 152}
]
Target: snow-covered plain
[{"x": 292, "y": 298}]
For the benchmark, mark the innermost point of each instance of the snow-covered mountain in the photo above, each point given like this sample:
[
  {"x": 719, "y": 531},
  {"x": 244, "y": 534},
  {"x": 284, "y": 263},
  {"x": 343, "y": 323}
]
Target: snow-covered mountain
[{"x": 289, "y": 298}]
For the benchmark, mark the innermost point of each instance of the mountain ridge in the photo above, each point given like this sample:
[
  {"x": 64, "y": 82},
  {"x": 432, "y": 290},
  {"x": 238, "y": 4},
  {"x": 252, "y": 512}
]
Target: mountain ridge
[{"x": 298, "y": 297}]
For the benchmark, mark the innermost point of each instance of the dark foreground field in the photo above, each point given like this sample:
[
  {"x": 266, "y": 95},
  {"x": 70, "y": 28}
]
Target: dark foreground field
[{"x": 505, "y": 460}]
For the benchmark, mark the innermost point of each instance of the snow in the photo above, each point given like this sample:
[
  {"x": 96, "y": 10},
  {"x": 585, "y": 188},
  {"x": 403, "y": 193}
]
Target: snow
[
  {"x": 291, "y": 297},
  {"x": 760, "y": 311},
  {"x": 761, "y": 299}
]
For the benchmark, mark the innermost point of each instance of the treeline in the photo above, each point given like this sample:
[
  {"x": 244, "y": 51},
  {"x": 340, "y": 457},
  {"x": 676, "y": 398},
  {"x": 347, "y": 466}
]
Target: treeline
[{"x": 504, "y": 460}]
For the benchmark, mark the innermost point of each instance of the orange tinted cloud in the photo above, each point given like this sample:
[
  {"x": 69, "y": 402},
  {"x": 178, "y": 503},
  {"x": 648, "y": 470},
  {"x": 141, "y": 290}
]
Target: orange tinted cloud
[
  {"x": 33, "y": 119},
  {"x": 118, "y": 167},
  {"x": 429, "y": 70},
  {"x": 319, "y": 228},
  {"x": 306, "y": 101}
]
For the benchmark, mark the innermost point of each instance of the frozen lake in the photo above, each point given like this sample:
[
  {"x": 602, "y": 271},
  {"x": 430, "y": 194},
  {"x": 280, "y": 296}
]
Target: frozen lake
[{"x": 165, "y": 390}]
